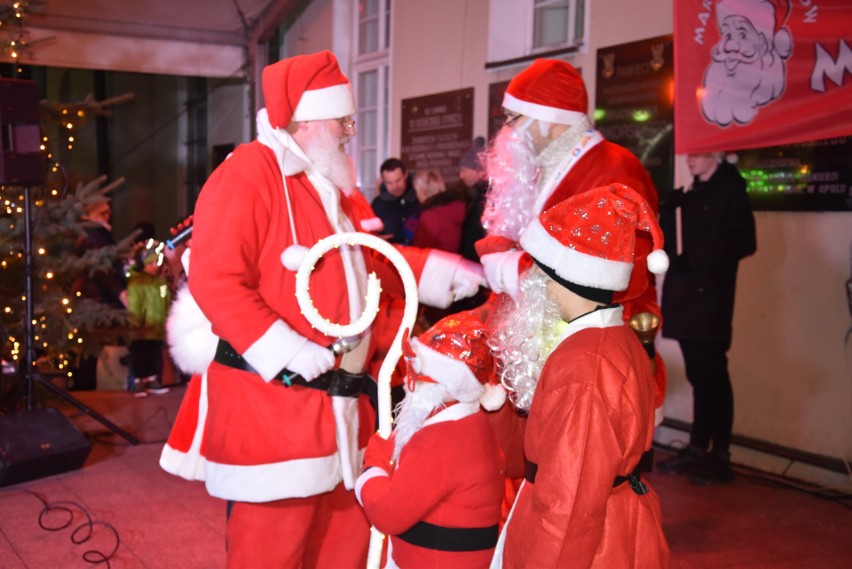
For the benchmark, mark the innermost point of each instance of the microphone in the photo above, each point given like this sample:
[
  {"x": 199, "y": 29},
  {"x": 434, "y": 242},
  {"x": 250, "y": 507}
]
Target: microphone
[{"x": 178, "y": 239}]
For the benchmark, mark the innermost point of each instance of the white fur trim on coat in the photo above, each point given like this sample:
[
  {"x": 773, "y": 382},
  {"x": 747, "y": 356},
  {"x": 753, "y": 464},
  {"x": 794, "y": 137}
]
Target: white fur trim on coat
[
  {"x": 263, "y": 482},
  {"x": 366, "y": 476},
  {"x": 274, "y": 350},
  {"x": 435, "y": 285},
  {"x": 190, "y": 337}
]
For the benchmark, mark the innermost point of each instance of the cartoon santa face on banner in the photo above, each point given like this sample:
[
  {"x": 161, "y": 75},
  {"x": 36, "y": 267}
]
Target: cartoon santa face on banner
[{"x": 747, "y": 68}]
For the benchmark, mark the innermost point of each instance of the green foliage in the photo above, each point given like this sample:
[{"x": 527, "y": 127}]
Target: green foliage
[{"x": 65, "y": 326}]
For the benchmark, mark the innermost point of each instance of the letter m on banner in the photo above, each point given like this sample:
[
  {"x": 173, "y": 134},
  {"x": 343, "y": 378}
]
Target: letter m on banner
[{"x": 757, "y": 73}]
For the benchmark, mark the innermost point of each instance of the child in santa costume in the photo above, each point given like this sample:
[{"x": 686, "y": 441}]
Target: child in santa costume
[
  {"x": 591, "y": 406},
  {"x": 436, "y": 485}
]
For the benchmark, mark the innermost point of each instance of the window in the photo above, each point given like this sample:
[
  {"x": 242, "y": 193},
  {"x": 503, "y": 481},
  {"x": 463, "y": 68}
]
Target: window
[
  {"x": 372, "y": 43},
  {"x": 523, "y": 29}
]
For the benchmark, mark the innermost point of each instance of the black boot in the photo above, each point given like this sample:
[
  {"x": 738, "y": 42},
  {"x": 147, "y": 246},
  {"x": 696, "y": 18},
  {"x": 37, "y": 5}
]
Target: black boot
[
  {"x": 683, "y": 462},
  {"x": 715, "y": 469}
]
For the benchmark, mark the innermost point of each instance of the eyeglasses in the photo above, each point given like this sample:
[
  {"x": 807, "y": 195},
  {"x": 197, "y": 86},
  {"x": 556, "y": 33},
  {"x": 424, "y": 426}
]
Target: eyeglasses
[
  {"x": 511, "y": 119},
  {"x": 347, "y": 123}
]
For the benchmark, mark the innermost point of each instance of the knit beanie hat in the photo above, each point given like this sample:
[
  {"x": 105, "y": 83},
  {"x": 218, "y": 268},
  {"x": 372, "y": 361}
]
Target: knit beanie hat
[{"x": 471, "y": 158}]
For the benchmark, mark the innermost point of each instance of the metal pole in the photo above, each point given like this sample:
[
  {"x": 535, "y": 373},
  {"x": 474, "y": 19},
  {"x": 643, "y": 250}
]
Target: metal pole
[{"x": 29, "y": 350}]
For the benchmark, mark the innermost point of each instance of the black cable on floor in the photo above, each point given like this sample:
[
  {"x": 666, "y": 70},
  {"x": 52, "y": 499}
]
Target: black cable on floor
[{"x": 80, "y": 534}]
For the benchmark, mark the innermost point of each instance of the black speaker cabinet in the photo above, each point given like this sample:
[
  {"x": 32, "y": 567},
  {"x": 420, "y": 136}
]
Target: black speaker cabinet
[
  {"x": 21, "y": 160},
  {"x": 39, "y": 443}
]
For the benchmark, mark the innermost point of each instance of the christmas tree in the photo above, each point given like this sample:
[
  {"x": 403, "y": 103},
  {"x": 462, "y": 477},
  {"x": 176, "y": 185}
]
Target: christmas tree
[{"x": 65, "y": 326}]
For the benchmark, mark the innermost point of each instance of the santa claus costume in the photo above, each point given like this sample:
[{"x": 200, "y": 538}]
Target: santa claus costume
[
  {"x": 580, "y": 159},
  {"x": 285, "y": 419},
  {"x": 583, "y": 502},
  {"x": 435, "y": 487}
]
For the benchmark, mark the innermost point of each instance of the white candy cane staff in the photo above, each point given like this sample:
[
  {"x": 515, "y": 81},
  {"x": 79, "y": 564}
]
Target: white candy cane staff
[{"x": 367, "y": 316}]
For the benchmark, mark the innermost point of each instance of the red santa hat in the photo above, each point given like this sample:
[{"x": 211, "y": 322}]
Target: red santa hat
[
  {"x": 306, "y": 88},
  {"x": 549, "y": 90},
  {"x": 767, "y": 17},
  {"x": 454, "y": 354},
  {"x": 587, "y": 242}
]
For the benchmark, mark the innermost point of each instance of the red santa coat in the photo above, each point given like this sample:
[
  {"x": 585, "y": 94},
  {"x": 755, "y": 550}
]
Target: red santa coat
[
  {"x": 596, "y": 162},
  {"x": 450, "y": 474},
  {"x": 590, "y": 421},
  {"x": 264, "y": 441}
]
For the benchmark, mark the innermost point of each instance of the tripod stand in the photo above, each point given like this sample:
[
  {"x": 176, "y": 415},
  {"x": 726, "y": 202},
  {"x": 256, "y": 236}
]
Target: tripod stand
[{"x": 30, "y": 377}]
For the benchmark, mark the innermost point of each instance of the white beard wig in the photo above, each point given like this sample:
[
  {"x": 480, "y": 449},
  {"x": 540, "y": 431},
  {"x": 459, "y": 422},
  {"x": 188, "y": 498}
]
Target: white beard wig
[
  {"x": 329, "y": 159},
  {"x": 525, "y": 334},
  {"x": 513, "y": 176},
  {"x": 414, "y": 410}
]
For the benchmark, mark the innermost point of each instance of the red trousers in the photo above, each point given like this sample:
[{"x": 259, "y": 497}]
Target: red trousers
[{"x": 328, "y": 530}]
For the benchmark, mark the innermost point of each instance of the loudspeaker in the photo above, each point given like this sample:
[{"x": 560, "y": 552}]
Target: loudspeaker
[
  {"x": 39, "y": 443},
  {"x": 21, "y": 160}
]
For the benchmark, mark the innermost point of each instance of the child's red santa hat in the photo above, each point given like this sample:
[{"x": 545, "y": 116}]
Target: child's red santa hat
[
  {"x": 549, "y": 90},
  {"x": 587, "y": 242},
  {"x": 306, "y": 88},
  {"x": 454, "y": 354}
]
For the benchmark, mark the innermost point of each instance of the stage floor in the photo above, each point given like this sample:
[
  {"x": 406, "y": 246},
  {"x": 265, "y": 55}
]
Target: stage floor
[{"x": 163, "y": 521}]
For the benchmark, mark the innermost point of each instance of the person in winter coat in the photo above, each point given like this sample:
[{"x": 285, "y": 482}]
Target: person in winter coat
[
  {"x": 442, "y": 213},
  {"x": 396, "y": 205},
  {"x": 709, "y": 229},
  {"x": 148, "y": 300}
]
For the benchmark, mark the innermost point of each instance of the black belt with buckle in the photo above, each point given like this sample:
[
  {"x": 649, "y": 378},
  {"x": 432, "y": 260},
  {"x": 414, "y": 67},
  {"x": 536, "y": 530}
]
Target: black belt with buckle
[
  {"x": 335, "y": 382},
  {"x": 645, "y": 465}
]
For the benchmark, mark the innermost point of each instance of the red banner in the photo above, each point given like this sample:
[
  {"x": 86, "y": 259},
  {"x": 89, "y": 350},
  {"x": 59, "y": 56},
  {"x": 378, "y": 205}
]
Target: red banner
[{"x": 756, "y": 73}]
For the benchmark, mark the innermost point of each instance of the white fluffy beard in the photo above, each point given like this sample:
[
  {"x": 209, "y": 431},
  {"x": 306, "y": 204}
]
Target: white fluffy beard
[
  {"x": 414, "y": 410},
  {"x": 513, "y": 177},
  {"x": 525, "y": 333},
  {"x": 328, "y": 157}
]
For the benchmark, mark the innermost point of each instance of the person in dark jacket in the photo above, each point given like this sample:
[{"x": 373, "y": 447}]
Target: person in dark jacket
[
  {"x": 472, "y": 174},
  {"x": 106, "y": 286},
  {"x": 396, "y": 205},
  {"x": 708, "y": 230}
]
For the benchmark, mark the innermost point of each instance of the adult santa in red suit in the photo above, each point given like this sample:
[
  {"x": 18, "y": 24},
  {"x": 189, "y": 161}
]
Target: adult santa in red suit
[
  {"x": 583, "y": 502},
  {"x": 439, "y": 499},
  {"x": 547, "y": 152},
  {"x": 276, "y": 443}
]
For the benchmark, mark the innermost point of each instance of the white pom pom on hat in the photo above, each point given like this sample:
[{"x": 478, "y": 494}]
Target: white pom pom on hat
[
  {"x": 493, "y": 398},
  {"x": 658, "y": 262},
  {"x": 293, "y": 256}
]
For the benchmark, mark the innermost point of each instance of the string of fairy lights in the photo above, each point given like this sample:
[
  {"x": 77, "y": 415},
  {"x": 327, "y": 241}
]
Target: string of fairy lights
[
  {"x": 14, "y": 17},
  {"x": 12, "y": 260}
]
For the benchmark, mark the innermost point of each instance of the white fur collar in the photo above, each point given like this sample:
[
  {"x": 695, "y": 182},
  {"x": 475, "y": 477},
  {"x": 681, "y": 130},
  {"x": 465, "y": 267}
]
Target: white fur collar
[
  {"x": 291, "y": 158},
  {"x": 453, "y": 413}
]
